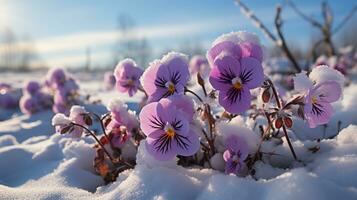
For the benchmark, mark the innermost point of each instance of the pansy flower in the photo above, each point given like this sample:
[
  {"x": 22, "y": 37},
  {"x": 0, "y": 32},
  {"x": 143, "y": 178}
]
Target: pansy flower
[
  {"x": 166, "y": 77},
  {"x": 127, "y": 75},
  {"x": 318, "y": 109},
  {"x": 236, "y": 69},
  {"x": 168, "y": 131},
  {"x": 319, "y": 93},
  {"x": 236, "y": 153}
]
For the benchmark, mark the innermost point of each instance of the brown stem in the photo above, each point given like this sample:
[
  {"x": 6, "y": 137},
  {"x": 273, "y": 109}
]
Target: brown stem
[
  {"x": 196, "y": 95},
  {"x": 103, "y": 129},
  {"x": 141, "y": 89},
  {"x": 289, "y": 143},
  {"x": 98, "y": 141},
  {"x": 284, "y": 128},
  {"x": 275, "y": 93}
]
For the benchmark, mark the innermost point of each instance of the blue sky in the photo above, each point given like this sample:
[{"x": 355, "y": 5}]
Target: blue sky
[{"x": 62, "y": 30}]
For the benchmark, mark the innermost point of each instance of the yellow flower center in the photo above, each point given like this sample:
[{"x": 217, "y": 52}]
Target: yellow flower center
[
  {"x": 130, "y": 81},
  {"x": 170, "y": 131},
  {"x": 170, "y": 87},
  {"x": 314, "y": 99},
  {"x": 237, "y": 83}
]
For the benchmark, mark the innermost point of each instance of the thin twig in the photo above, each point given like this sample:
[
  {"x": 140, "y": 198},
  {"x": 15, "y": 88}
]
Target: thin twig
[
  {"x": 278, "y": 23},
  {"x": 345, "y": 20},
  {"x": 256, "y": 21},
  {"x": 98, "y": 141},
  {"x": 196, "y": 95},
  {"x": 103, "y": 128},
  {"x": 304, "y": 16},
  {"x": 289, "y": 143}
]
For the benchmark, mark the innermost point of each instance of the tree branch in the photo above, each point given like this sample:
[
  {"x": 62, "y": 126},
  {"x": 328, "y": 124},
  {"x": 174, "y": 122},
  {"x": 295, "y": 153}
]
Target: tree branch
[{"x": 278, "y": 23}]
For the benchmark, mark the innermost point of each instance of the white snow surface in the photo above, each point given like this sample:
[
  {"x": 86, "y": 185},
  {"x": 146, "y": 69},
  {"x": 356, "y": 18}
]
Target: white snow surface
[{"x": 35, "y": 163}]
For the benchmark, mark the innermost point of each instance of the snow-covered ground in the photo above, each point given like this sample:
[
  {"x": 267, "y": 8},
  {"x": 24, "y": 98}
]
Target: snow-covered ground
[{"x": 35, "y": 163}]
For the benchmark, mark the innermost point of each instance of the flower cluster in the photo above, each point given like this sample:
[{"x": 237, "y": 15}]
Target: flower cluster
[
  {"x": 175, "y": 127},
  {"x": 64, "y": 88},
  {"x": 33, "y": 99},
  {"x": 236, "y": 61}
]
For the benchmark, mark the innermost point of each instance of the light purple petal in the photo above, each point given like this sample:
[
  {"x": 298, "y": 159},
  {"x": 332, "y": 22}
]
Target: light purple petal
[
  {"x": 152, "y": 148},
  {"x": 178, "y": 65},
  {"x": 184, "y": 104},
  {"x": 319, "y": 114},
  {"x": 151, "y": 116},
  {"x": 150, "y": 75},
  {"x": 329, "y": 91},
  {"x": 193, "y": 144},
  {"x": 253, "y": 50},
  {"x": 252, "y": 71},
  {"x": 225, "y": 46},
  {"x": 241, "y": 103}
]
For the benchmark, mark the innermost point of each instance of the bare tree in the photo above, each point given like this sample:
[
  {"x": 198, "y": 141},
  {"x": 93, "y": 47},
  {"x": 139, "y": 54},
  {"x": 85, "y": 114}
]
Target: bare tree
[
  {"x": 325, "y": 27},
  {"x": 279, "y": 39}
]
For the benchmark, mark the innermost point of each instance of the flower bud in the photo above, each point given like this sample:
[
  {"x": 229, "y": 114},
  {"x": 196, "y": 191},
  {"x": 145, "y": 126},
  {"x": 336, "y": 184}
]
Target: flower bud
[
  {"x": 278, "y": 123},
  {"x": 266, "y": 96},
  {"x": 288, "y": 122}
]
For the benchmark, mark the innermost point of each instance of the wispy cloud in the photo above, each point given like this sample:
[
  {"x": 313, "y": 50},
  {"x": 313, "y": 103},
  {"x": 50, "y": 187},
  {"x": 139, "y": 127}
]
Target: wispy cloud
[{"x": 53, "y": 49}]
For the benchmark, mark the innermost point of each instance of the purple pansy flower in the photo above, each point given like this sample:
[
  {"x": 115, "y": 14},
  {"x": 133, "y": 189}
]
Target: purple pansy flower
[
  {"x": 317, "y": 108},
  {"x": 127, "y": 75},
  {"x": 234, "y": 79},
  {"x": 166, "y": 77},
  {"x": 236, "y": 69},
  {"x": 236, "y": 153},
  {"x": 168, "y": 131}
]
